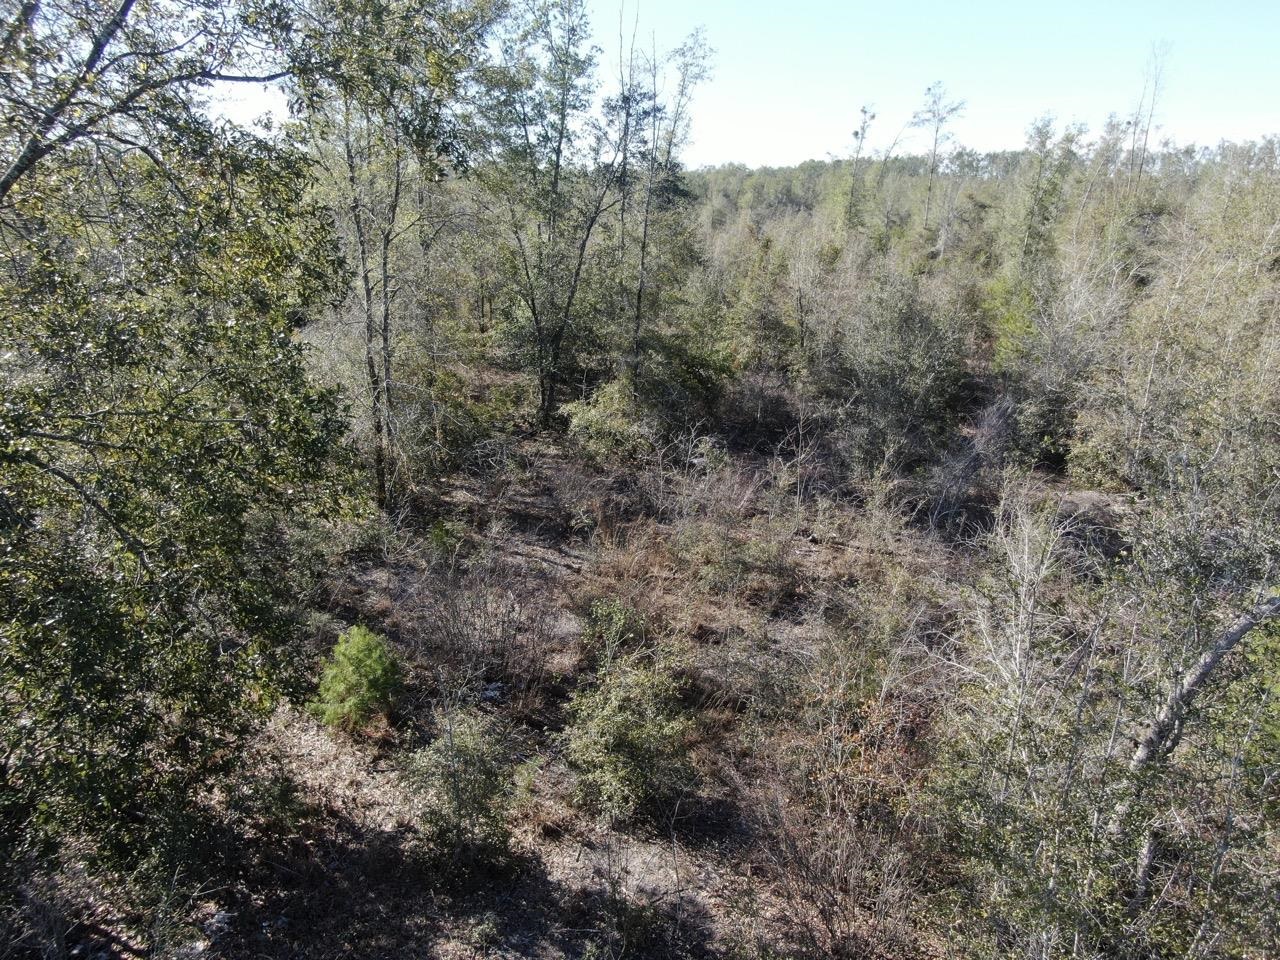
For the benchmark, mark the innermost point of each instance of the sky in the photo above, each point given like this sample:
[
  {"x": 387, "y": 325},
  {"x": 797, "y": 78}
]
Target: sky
[{"x": 789, "y": 76}]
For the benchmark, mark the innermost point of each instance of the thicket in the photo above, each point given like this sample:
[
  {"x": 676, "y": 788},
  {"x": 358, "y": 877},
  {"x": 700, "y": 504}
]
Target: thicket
[{"x": 1050, "y": 374}]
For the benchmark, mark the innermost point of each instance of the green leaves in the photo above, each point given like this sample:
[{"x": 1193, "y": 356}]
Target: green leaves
[
  {"x": 626, "y": 740},
  {"x": 405, "y": 61},
  {"x": 359, "y": 682},
  {"x": 157, "y": 408}
]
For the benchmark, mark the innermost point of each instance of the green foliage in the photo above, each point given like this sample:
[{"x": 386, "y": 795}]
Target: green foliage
[
  {"x": 157, "y": 419},
  {"x": 359, "y": 682},
  {"x": 611, "y": 425},
  {"x": 686, "y": 366},
  {"x": 404, "y": 61},
  {"x": 445, "y": 539},
  {"x": 1259, "y": 684},
  {"x": 1009, "y": 310},
  {"x": 613, "y": 625},
  {"x": 439, "y": 424},
  {"x": 466, "y": 779},
  {"x": 626, "y": 739},
  {"x": 764, "y": 334}
]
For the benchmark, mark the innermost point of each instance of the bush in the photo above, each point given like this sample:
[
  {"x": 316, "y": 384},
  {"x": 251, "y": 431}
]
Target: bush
[
  {"x": 466, "y": 777},
  {"x": 897, "y": 369},
  {"x": 445, "y": 538},
  {"x": 1008, "y": 310},
  {"x": 613, "y": 625},
  {"x": 359, "y": 682},
  {"x": 626, "y": 740},
  {"x": 612, "y": 425}
]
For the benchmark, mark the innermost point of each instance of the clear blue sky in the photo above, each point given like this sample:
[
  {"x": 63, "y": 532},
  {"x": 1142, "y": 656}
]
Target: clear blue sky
[{"x": 790, "y": 76}]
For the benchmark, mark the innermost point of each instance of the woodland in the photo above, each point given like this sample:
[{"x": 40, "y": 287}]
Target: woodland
[{"x": 437, "y": 522}]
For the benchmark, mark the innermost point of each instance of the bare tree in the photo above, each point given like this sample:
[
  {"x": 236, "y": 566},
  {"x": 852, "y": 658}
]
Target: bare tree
[{"x": 934, "y": 116}]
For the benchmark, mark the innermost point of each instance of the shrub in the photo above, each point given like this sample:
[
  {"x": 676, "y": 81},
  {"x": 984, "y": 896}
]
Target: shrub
[
  {"x": 359, "y": 682},
  {"x": 445, "y": 539},
  {"x": 613, "y": 624},
  {"x": 626, "y": 740},
  {"x": 612, "y": 425},
  {"x": 466, "y": 778},
  {"x": 898, "y": 369},
  {"x": 442, "y": 417},
  {"x": 1009, "y": 309}
]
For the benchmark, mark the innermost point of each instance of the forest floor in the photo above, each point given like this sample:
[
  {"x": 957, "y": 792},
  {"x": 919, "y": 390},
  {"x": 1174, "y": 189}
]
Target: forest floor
[{"x": 721, "y": 558}]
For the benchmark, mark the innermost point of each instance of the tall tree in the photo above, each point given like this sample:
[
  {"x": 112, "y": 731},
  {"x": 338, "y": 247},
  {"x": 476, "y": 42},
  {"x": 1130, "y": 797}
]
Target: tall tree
[
  {"x": 853, "y": 205},
  {"x": 552, "y": 177},
  {"x": 385, "y": 123},
  {"x": 933, "y": 117},
  {"x": 112, "y": 75}
]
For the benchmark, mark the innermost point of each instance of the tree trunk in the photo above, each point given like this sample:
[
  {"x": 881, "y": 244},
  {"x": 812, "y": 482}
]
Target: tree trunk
[
  {"x": 377, "y": 415},
  {"x": 1162, "y": 734},
  {"x": 1165, "y": 731},
  {"x": 933, "y": 164},
  {"x": 388, "y": 235}
]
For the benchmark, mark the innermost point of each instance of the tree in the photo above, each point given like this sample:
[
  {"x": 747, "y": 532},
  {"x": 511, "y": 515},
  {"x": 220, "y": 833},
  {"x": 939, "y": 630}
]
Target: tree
[
  {"x": 934, "y": 117},
  {"x": 1045, "y": 193},
  {"x": 159, "y": 431},
  {"x": 551, "y": 176},
  {"x": 663, "y": 195},
  {"x": 114, "y": 74},
  {"x": 360, "y": 680},
  {"x": 853, "y": 206},
  {"x": 382, "y": 116}
]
